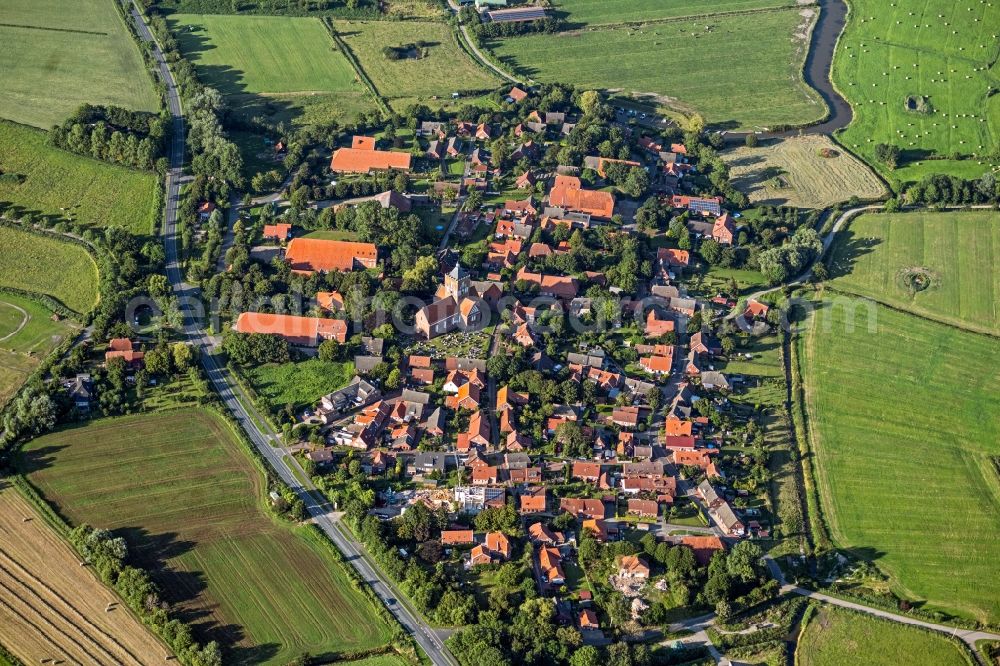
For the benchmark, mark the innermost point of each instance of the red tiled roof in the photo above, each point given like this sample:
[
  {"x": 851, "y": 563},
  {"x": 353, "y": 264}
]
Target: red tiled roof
[
  {"x": 308, "y": 331},
  {"x": 365, "y": 159},
  {"x": 313, "y": 254},
  {"x": 277, "y": 231},
  {"x": 455, "y": 537},
  {"x": 568, "y": 193}
]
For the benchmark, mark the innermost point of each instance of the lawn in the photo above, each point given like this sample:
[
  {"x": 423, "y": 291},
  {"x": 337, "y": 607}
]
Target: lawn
[
  {"x": 793, "y": 172},
  {"x": 44, "y": 265},
  {"x": 27, "y": 336},
  {"x": 272, "y": 65},
  {"x": 904, "y": 415},
  {"x": 189, "y": 501},
  {"x": 837, "y": 637},
  {"x": 301, "y": 384},
  {"x": 444, "y": 68},
  {"x": 56, "y": 55},
  {"x": 603, "y": 12},
  {"x": 945, "y": 266},
  {"x": 719, "y": 67},
  {"x": 63, "y": 185},
  {"x": 943, "y": 51}
]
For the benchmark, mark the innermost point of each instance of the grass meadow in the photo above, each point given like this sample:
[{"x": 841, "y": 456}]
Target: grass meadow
[
  {"x": 287, "y": 68},
  {"x": 792, "y": 172},
  {"x": 957, "y": 253},
  {"x": 189, "y": 501},
  {"x": 56, "y": 55},
  {"x": 44, "y": 265},
  {"x": 27, "y": 336},
  {"x": 68, "y": 186},
  {"x": 443, "y": 70},
  {"x": 939, "y": 49},
  {"x": 904, "y": 421},
  {"x": 835, "y": 637},
  {"x": 720, "y": 68},
  {"x": 605, "y": 12},
  {"x": 301, "y": 384}
]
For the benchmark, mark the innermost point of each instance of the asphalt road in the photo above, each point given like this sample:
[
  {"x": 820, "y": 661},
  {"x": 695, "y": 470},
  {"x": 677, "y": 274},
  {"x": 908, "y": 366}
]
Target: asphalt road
[{"x": 255, "y": 427}]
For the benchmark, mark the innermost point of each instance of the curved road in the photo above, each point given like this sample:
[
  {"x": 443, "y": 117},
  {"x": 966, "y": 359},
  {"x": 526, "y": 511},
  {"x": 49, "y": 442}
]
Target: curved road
[{"x": 260, "y": 435}]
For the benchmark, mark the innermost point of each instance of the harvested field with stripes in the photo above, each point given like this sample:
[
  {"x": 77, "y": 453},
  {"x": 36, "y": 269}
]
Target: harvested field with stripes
[
  {"x": 189, "y": 503},
  {"x": 52, "y": 608}
]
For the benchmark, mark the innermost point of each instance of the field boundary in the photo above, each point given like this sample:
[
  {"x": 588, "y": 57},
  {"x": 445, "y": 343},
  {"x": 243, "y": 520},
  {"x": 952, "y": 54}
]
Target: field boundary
[
  {"x": 689, "y": 17},
  {"x": 41, "y": 27},
  {"x": 356, "y": 65}
]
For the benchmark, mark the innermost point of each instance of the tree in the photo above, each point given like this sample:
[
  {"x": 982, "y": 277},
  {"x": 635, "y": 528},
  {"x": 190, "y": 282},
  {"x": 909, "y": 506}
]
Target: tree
[
  {"x": 570, "y": 435},
  {"x": 887, "y": 154},
  {"x": 711, "y": 251},
  {"x": 751, "y": 140},
  {"x": 422, "y": 275},
  {"x": 589, "y": 102},
  {"x": 329, "y": 351},
  {"x": 182, "y": 356},
  {"x": 586, "y": 656},
  {"x": 743, "y": 561}
]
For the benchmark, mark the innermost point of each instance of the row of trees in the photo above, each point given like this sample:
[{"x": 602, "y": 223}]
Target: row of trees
[
  {"x": 109, "y": 554},
  {"x": 134, "y": 139}
]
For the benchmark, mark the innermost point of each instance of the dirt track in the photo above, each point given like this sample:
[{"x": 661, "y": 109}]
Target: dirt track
[{"x": 52, "y": 608}]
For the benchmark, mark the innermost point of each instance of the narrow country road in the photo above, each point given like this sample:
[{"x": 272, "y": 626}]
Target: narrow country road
[
  {"x": 453, "y": 6},
  {"x": 262, "y": 437},
  {"x": 969, "y": 636}
]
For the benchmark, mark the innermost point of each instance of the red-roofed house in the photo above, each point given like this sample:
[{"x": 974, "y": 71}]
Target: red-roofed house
[
  {"x": 723, "y": 230},
  {"x": 703, "y": 546},
  {"x": 567, "y": 192},
  {"x": 278, "y": 232},
  {"x": 362, "y": 157},
  {"x": 309, "y": 255},
  {"x": 304, "y": 331},
  {"x": 655, "y": 326}
]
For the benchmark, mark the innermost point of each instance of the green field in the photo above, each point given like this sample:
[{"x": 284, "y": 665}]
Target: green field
[
  {"x": 63, "y": 185},
  {"x": 390, "y": 659},
  {"x": 603, "y": 12},
  {"x": 836, "y": 637},
  {"x": 178, "y": 487},
  {"x": 958, "y": 253},
  {"x": 903, "y": 420},
  {"x": 938, "y": 49},
  {"x": 720, "y": 67},
  {"x": 45, "y": 265},
  {"x": 56, "y": 55},
  {"x": 301, "y": 384},
  {"x": 282, "y": 67},
  {"x": 443, "y": 70},
  {"x": 27, "y": 336}
]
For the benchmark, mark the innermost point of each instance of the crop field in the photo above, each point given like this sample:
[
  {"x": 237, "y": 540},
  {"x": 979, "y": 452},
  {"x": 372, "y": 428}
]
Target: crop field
[
  {"x": 45, "y": 265},
  {"x": 904, "y": 416},
  {"x": 48, "y": 181},
  {"x": 283, "y": 67},
  {"x": 188, "y": 500},
  {"x": 51, "y": 607},
  {"x": 794, "y": 172},
  {"x": 719, "y": 67},
  {"x": 443, "y": 69},
  {"x": 56, "y": 55},
  {"x": 27, "y": 336},
  {"x": 942, "y": 51},
  {"x": 835, "y": 637},
  {"x": 301, "y": 384},
  {"x": 945, "y": 266},
  {"x": 605, "y": 12}
]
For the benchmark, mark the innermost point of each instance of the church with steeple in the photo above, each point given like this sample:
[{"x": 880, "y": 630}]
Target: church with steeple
[{"x": 457, "y": 306}]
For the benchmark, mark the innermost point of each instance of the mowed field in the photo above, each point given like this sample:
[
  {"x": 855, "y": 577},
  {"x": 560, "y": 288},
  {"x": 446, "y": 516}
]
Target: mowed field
[
  {"x": 791, "y": 172},
  {"x": 836, "y": 637},
  {"x": 64, "y": 185},
  {"x": 738, "y": 71},
  {"x": 958, "y": 252},
  {"x": 44, "y": 265},
  {"x": 188, "y": 500},
  {"x": 602, "y": 12},
  {"x": 904, "y": 416},
  {"x": 445, "y": 69},
  {"x": 272, "y": 65},
  {"x": 27, "y": 336},
  {"x": 944, "y": 50},
  {"x": 56, "y": 55},
  {"x": 51, "y": 607}
]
